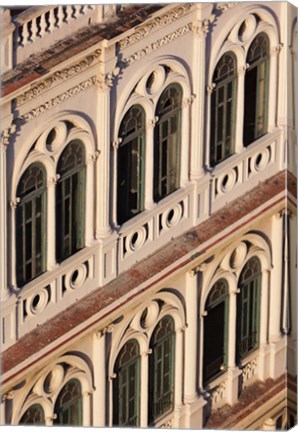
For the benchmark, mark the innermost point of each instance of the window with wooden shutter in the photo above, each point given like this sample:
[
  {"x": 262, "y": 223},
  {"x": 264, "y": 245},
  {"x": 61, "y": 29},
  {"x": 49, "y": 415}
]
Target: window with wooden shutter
[
  {"x": 31, "y": 224},
  {"x": 167, "y": 142},
  {"x": 223, "y": 109},
  {"x": 126, "y": 386},
  {"x": 70, "y": 201},
  {"x": 256, "y": 90},
  {"x": 131, "y": 165},
  {"x": 161, "y": 367},
  {"x": 248, "y": 308},
  {"x": 68, "y": 406},
  {"x": 216, "y": 331}
]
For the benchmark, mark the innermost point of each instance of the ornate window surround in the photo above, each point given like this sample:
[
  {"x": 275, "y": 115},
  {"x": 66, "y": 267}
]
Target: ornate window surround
[
  {"x": 229, "y": 266},
  {"x": 163, "y": 71},
  {"x": 233, "y": 41},
  {"x": 47, "y": 153},
  {"x": 141, "y": 329},
  {"x": 44, "y": 388}
]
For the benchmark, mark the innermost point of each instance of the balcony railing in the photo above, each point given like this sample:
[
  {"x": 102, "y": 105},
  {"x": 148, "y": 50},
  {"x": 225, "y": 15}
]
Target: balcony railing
[
  {"x": 38, "y": 28},
  {"x": 143, "y": 235}
]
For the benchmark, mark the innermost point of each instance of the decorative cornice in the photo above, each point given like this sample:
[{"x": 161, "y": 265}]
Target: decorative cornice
[
  {"x": 156, "y": 45},
  {"x": 201, "y": 28},
  {"x": 62, "y": 75},
  {"x": 36, "y": 112},
  {"x": 158, "y": 22},
  {"x": 6, "y": 134}
]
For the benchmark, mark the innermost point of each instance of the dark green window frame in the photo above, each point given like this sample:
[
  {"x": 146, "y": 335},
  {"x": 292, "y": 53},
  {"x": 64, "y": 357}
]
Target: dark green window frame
[
  {"x": 131, "y": 165},
  {"x": 161, "y": 369},
  {"x": 216, "y": 331},
  {"x": 223, "y": 109},
  {"x": 167, "y": 142},
  {"x": 34, "y": 415},
  {"x": 256, "y": 90},
  {"x": 70, "y": 201},
  {"x": 126, "y": 386},
  {"x": 248, "y": 308},
  {"x": 31, "y": 221},
  {"x": 69, "y": 406}
]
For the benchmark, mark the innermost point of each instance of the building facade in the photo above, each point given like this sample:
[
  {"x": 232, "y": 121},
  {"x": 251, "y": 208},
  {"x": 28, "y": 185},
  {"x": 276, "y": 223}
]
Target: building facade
[{"x": 148, "y": 215}]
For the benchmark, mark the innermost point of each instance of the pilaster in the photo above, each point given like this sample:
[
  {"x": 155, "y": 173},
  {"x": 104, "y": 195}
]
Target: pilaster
[
  {"x": 149, "y": 169},
  {"x": 200, "y": 29},
  {"x": 144, "y": 388},
  {"x": 100, "y": 374}
]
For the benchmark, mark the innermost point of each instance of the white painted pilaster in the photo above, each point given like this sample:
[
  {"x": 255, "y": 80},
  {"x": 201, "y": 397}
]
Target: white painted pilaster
[
  {"x": 264, "y": 349},
  {"x": 99, "y": 365},
  {"x": 3, "y": 224},
  {"x": 149, "y": 168},
  {"x": 144, "y": 389},
  {"x": 51, "y": 223},
  {"x": 233, "y": 371},
  {"x": 240, "y": 110},
  {"x": 90, "y": 207}
]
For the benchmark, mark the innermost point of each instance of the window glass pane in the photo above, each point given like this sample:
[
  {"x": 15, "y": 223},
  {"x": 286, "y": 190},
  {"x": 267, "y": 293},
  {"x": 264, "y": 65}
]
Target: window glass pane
[
  {"x": 161, "y": 379},
  {"x": 33, "y": 416},
  {"x": 223, "y": 103},
  {"x": 68, "y": 407},
  {"x": 130, "y": 172},
  {"x": 70, "y": 206},
  {"x": 126, "y": 386},
  {"x": 167, "y": 136},
  {"x": 248, "y": 307}
]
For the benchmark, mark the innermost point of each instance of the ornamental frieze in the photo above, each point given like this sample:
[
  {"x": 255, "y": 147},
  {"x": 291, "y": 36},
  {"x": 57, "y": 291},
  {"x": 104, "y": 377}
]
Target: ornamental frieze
[
  {"x": 156, "y": 45},
  {"x": 158, "y": 22},
  {"x": 58, "y": 76},
  {"x": 36, "y": 112}
]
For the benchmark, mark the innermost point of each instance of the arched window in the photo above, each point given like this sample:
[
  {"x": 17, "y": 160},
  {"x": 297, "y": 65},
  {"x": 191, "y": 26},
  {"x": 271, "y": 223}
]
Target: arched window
[
  {"x": 223, "y": 109},
  {"x": 161, "y": 369},
  {"x": 167, "y": 142},
  {"x": 131, "y": 167},
  {"x": 70, "y": 207},
  {"x": 256, "y": 90},
  {"x": 216, "y": 330},
  {"x": 33, "y": 416},
  {"x": 68, "y": 407},
  {"x": 248, "y": 308},
  {"x": 126, "y": 386},
  {"x": 31, "y": 224}
]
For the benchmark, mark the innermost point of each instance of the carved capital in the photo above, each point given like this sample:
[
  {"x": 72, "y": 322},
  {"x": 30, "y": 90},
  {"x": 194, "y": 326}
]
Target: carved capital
[
  {"x": 152, "y": 122},
  {"x": 52, "y": 181},
  {"x": 112, "y": 377},
  {"x": 223, "y": 7},
  {"x": 276, "y": 50},
  {"x": 93, "y": 157},
  {"x": 8, "y": 396},
  {"x": 146, "y": 353},
  {"x": 6, "y": 134},
  {"x": 243, "y": 69},
  {"x": 201, "y": 28},
  {"x": 105, "y": 82},
  {"x": 188, "y": 101},
  {"x": 199, "y": 268},
  {"x": 13, "y": 204},
  {"x": 210, "y": 88},
  {"x": 116, "y": 143}
]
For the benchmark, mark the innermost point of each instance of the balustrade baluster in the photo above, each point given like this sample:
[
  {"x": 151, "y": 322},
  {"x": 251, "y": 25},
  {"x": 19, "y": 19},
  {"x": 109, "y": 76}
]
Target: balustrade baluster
[
  {"x": 51, "y": 19},
  {"x": 60, "y": 16},
  {"x": 20, "y": 37},
  {"x": 42, "y": 25},
  {"x": 26, "y": 34},
  {"x": 34, "y": 29}
]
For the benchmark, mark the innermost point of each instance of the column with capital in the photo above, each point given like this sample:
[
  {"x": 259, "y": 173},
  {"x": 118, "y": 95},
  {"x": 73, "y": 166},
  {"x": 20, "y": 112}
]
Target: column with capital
[
  {"x": 264, "y": 347},
  {"x": 51, "y": 225},
  {"x": 178, "y": 378},
  {"x": 100, "y": 379},
  {"x": 277, "y": 343},
  {"x": 103, "y": 85},
  {"x": 12, "y": 255},
  {"x": 273, "y": 85},
  {"x": 193, "y": 403},
  {"x": 240, "y": 109},
  {"x": 149, "y": 171},
  {"x": 199, "y": 30},
  {"x": 233, "y": 370},
  {"x": 91, "y": 160},
  {"x": 3, "y": 210},
  {"x": 144, "y": 388}
]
